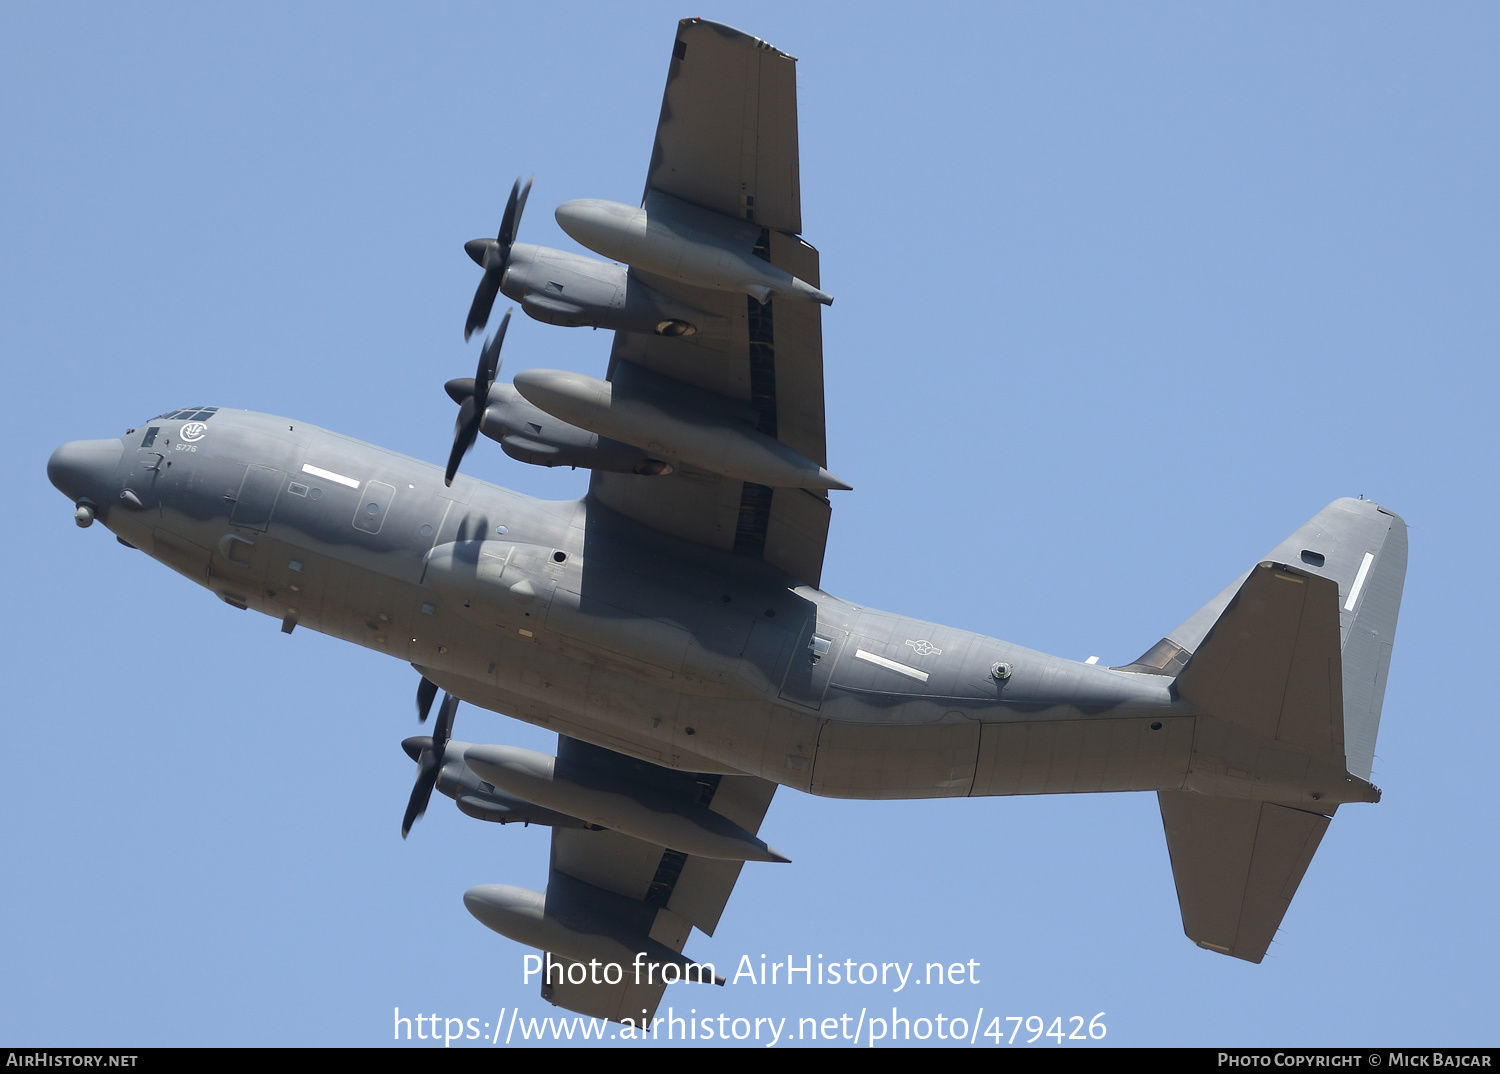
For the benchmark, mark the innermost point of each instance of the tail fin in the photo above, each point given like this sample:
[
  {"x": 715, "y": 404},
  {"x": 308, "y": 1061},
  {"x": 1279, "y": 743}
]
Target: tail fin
[
  {"x": 1285, "y": 701},
  {"x": 1362, "y": 547}
]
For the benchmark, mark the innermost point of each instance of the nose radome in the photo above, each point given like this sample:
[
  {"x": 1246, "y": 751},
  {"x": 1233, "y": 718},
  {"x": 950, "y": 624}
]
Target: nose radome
[{"x": 85, "y": 468}]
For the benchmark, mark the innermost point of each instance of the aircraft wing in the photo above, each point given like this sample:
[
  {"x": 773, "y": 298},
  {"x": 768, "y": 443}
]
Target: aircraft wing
[
  {"x": 632, "y": 889},
  {"x": 727, "y": 141}
]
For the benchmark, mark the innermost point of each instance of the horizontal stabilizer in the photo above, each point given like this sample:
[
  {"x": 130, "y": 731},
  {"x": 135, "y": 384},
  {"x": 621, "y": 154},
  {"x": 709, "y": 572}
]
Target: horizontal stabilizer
[{"x": 1237, "y": 865}]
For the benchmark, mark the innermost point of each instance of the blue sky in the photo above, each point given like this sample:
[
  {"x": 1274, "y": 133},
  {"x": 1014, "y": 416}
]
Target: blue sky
[{"x": 1124, "y": 295}]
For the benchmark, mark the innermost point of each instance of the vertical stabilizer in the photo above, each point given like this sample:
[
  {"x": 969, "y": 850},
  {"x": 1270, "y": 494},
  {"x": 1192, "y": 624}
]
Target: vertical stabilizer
[
  {"x": 1286, "y": 669},
  {"x": 1361, "y": 546}
]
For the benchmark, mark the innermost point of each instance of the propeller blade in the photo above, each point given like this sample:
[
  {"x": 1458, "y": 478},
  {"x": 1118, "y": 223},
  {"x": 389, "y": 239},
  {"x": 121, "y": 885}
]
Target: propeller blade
[
  {"x": 484, "y": 298},
  {"x": 426, "y": 691},
  {"x": 426, "y": 780},
  {"x": 464, "y": 431},
  {"x": 515, "y": 205},
  {"x": 471, "y": 409},
  {"x": 429, "y": 763},
  {"x": 489, "y": 361},
  {"x": 494, "y": 256},
  {"x": 444, "y": 727}
]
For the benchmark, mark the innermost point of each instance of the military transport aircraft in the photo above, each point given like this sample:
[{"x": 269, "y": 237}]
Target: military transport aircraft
[{"x": 670, "y": 625}]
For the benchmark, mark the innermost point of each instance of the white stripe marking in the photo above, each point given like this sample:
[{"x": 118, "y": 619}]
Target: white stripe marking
[
  {"x": 901, "y": 669},
  {"x": 329, "y": 475},
  {"x": 1359, "y": 581}
]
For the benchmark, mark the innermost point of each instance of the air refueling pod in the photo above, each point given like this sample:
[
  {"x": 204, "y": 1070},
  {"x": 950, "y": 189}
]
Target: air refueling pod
[{"x": 671, "y": 238}]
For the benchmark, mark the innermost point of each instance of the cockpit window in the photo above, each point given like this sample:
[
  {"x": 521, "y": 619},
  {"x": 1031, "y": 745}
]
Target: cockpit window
[
  {"x": 191, "y": 413},
  {"x": 150, "y": 437}
]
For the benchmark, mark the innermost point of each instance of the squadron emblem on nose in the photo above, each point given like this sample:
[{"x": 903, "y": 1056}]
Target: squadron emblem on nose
[{"x": 192, "y": 431}]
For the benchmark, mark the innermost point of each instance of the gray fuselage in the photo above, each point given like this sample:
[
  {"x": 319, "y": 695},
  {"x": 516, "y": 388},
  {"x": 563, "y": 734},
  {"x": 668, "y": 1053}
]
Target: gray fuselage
[{"x": 571, "y": 617}]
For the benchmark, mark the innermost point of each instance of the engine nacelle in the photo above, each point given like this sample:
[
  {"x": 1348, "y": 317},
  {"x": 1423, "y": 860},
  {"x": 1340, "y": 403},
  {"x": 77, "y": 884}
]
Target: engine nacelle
[
  {"x": 479, "y": 799},
  {"x": 574, "y": 291},
  {"x": 671, "y": 238},
  {"x": 531, "y": 435}
]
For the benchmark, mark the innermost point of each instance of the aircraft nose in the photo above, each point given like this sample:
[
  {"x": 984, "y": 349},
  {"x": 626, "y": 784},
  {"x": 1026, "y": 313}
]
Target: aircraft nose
[{"x": 85, "y": 468}]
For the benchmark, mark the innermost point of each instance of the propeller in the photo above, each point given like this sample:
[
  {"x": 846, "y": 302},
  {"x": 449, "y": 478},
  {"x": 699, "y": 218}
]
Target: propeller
[
  {"x": 426, "y": 691},
  {"x": 493, "y": 255},
  {"x": 428, "y": 753},
  {"x": 471, "y": 410}
]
